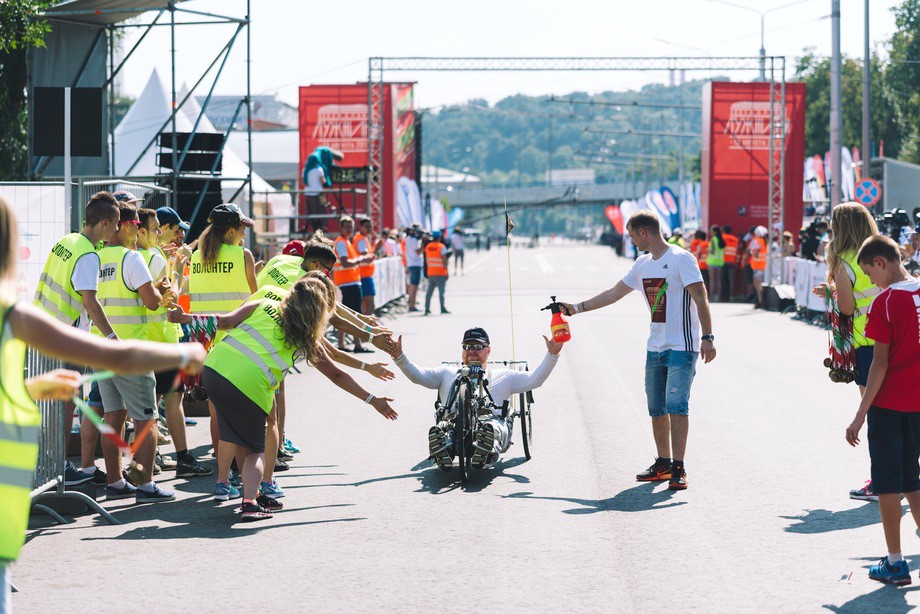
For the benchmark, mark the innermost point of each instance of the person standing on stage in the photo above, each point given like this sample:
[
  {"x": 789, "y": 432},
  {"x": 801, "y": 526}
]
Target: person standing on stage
[{"x": 672, "y": 284}]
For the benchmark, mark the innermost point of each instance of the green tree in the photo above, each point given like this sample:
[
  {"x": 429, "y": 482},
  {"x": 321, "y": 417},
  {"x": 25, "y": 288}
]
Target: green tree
[
  {"x": 21, "y": 27},
  {"x": 902, "y": 77}
]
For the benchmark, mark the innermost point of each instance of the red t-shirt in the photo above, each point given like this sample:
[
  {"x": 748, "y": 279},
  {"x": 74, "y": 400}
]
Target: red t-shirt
[{"x": 894, "y": 318}]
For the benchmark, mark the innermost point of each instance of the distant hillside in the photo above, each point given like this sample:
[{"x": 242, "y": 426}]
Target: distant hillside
[{"x": 509, "y": 141}]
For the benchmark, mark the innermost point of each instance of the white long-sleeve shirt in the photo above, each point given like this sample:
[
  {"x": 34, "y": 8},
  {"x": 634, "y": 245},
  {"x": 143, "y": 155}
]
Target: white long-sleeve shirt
[{"x": 502, "y": 382}]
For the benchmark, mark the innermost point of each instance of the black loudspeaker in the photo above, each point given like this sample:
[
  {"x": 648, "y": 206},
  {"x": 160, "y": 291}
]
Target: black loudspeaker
[
  {"x": 85, "y": 121},
  {"x": 779, "y": 297}
]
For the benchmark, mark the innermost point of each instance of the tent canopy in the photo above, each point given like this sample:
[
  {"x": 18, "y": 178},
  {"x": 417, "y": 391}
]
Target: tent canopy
[{"x": 102, "y": 12}]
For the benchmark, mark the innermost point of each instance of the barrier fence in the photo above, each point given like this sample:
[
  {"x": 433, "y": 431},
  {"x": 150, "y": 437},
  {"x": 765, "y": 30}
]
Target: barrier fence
[
  {"x": 389, "y": 280},
  {"x": 804, "y": 275}
]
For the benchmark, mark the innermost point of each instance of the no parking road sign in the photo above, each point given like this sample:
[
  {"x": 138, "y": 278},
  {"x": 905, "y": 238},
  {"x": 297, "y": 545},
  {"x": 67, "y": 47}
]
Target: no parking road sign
[{"x": 867, "y": 192}]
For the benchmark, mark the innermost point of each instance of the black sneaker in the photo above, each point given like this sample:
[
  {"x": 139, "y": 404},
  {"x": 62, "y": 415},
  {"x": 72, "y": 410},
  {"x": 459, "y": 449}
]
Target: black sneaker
[
  {"x": 284, "y": 455},
  {"x": 280, "y": 465},
  {"x": 272, "y": 505},
  {"x": 678, "y": 479},
  {"x": 100, "y": 478},
  {"x": 658, "y": 472},
  {"x": 191, "y": 470},
  {"x": 251, "y": 512},
  {"x": 439, "y": 448}
]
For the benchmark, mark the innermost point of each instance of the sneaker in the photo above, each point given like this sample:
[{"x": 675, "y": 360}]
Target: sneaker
[
  {"x": 280, "y": 465},
  {"x": 112, "y": 493},
  {"x": 271, "y": 490},
  {"x": 427, "y": 313},
  {"x": 235, "y": 481},
  {"x": 191, "y": 422},
  {"x": 290, "y": 447},
  {"x": 252, "y": 512},
  {"x": 191, "y": 470},
  {"x": 445, "y": 312},
  {"x": 284, "y": 455},
  {"x": 162, "y": 437},
  {"x": 73, "y": 476},
  {"x": 658, "y": 472},
  {"x": 268, "y": 503},
  {"x": 438, "y": 448},
  {"x": 100, "y": 478},
  {"x": 224, "y": 492},
  {"x": 165, "y": 463},
  {"x": 890, "y": 573},
  {"x": 484, "y": 445},
  {"x": 678, "y": 479},
  {"x": 865, "y": 493},
  {"x": 158, "y": 494}
]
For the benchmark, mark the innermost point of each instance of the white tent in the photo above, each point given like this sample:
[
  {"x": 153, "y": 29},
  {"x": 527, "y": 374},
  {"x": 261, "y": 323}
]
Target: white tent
[{"x": 147, "y": 117}]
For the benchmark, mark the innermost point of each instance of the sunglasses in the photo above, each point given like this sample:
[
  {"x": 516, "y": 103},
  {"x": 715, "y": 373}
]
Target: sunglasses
[
  {"x": 474, "y": 346},
  {"x": 135, "y": 222}
]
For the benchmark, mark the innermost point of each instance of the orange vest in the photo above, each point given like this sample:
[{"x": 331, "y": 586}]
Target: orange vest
[
  {"x": 403, "y": 251},
  {"x": 436, "y": 265},
  {"x": 346, "y": 275},
  {"x": 185, "y": 299},
  {"x": 367, "y": 270},
  {"x": 759, "y": 262},
  {"x": 731, "y": 248},
  {"x": 701, "y": 255}
]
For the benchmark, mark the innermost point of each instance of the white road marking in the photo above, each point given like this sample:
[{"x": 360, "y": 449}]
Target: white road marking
[{"x": 544, "y": 265}]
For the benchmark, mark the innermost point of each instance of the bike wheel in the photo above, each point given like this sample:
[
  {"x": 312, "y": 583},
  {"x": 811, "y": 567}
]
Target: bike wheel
[
  {"x": 526, "y": 426},
  {"x": 463, "y": 434}
]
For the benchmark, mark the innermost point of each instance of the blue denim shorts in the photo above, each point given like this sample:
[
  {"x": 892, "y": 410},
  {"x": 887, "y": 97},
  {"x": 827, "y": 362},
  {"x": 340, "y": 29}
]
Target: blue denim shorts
[
  {"x": 668, "y": 377},
  {"x": 415, "y": 275},
  {"x": 367, "y": 287}
]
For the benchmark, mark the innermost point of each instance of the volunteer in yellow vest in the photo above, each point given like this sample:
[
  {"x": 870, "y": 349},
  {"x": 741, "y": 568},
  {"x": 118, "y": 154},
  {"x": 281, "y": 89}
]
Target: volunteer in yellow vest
[
  {"x": 347, "y": 274},
  {"x": 223, "y": 274},
  {"x": 758, "y": 248},
  {"x": 160, "y": 266},
  {"x": 731, "y": 263},
  {"x": 128, "y": 295},
  {"x": 23, "y": 325},
  {"x": 715, "y": 260},
  {"x": 677, "y": 238},
  {"x": 245, "y": 367},
  {"x": 435, "y": 270},
  {"x": 851, "y": 225},
  {"x": 67, "y": 291},
  {"x": 365, "y": 247}
]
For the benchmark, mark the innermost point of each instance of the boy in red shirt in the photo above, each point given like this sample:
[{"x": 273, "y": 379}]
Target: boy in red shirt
[{"x": 890, "y": 400}]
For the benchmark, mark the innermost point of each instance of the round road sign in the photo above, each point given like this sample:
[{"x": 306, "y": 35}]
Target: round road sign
[{"x": 867, "y": 192}]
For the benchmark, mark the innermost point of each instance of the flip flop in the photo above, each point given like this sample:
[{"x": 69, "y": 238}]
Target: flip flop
[{"x": 362, "y": 350}]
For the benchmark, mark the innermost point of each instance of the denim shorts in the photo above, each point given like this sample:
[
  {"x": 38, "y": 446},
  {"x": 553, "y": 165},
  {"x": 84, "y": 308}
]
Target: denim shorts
[
  {"x": 415, "y": 275},
  {"x": 367, "y": 287},
  {"x": 668, "y": 377}
]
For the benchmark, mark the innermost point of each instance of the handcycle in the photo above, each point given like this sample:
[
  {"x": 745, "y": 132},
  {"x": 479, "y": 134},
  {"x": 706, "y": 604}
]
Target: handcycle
[{"x": 469, "y": 402}]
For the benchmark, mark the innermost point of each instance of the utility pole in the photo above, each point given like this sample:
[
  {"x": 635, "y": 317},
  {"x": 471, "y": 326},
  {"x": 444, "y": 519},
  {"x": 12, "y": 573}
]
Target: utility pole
[
  {"x": 866, "y": 118},
  {"x": 836, "y": 123}
]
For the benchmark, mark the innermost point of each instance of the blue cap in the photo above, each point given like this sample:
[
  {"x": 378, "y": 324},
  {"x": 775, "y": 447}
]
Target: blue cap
[{"x": 168, "y": 215}]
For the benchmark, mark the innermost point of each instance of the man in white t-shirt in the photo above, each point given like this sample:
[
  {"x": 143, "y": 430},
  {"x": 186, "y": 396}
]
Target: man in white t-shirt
[
  {"x": 414, "y": 262},
  {"x": 458, "y": 243},
  {"x": 670, "y": 279}
]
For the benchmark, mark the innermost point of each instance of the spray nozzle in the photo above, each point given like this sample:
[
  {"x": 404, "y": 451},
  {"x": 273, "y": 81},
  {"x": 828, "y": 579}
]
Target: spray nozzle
[{"x": 554, "y": 307}]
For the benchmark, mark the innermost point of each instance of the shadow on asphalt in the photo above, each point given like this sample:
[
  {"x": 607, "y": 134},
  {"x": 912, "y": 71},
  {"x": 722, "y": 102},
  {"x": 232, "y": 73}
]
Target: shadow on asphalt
[
  {"x": 885, "y": 599},
  {"x": 639, "y": 498},
  {"x": 825, "y": 521}
]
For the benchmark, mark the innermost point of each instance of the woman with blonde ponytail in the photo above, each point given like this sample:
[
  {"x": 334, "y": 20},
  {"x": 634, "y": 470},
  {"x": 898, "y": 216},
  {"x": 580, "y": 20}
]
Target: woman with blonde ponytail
[{"x": 263, "y": 340}]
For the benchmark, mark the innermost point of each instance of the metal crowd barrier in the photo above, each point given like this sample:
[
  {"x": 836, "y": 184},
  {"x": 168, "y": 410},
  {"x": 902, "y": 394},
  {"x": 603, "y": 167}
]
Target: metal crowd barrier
[{"x": 48, "y": 480}]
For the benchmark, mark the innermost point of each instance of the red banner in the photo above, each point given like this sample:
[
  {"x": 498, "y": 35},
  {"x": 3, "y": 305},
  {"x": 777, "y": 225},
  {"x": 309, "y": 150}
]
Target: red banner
[
  {"x": 615, "y": 216},
  {"x": 736, "y": 155}
]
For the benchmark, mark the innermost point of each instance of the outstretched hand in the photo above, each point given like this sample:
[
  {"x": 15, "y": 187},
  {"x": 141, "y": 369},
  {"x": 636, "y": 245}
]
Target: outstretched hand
[
  {"x": 385, "y": 342},
  {"x": 176, "y": 315},
  {"x": 57, "y": 385},
  {"x": 397, "y": 350},
  {"x": 552, "y": 346},
  {"x": 382, "y": 405},
  {"x": 379, "y": 370}
]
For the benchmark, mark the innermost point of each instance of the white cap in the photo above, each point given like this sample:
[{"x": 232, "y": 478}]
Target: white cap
[{"x": 760, "y": 231}]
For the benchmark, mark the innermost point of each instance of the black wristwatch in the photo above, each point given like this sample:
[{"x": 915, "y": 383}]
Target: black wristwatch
[{"x": 709, "y": 337}]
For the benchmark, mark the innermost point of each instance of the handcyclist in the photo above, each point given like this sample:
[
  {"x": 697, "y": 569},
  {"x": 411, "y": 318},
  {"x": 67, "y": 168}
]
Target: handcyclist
[{"x": 494, "y": 434}]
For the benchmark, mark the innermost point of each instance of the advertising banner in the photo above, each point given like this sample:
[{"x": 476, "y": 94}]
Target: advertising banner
[{"x": 736, "y": 154}]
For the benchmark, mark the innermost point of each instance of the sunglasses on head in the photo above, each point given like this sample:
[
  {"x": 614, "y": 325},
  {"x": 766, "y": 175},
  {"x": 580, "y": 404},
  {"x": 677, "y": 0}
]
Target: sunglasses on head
[
  {"x": 135, "y": 222},
  {"x": 474, "y": 346}
]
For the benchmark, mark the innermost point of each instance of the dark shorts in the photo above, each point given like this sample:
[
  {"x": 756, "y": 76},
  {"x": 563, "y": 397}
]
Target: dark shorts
[
  {"x": 351, "y": 297},
  {"x": 864, "y": 354},
  {"x": 458, "y": 255},
  {"x": 367, "y": 287},
  {"x": 95, "y": 398},
  {"x": 165, "y": 380},
  {"x": 415, "y": 275},
  {"x": 894, "y": 448},
  {"x": 239, "y": 420}
]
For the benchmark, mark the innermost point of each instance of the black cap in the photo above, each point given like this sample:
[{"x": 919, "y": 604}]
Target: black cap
[
  {"x": 229, "y": 214},
  {"x": 474, "y": 335},
  {"x": 168, "y": 215}
]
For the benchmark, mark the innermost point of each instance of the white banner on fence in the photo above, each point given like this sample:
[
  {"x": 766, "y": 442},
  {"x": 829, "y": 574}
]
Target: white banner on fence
[
  {"x": 805, "y": 275},
  {"x": 42, "y": 217},
  {"x": 389, "y": 279}
]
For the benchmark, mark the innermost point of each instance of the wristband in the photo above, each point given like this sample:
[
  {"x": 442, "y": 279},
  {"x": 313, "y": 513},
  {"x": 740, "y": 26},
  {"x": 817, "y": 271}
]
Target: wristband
[
  {"x": 186, "y": 357},
  {"x": 111, "y": 335},
  {"x": 363, "y": 364},
  {"x": 369, "y": 398},
  {"x": 577, "y": 308},
  {"x": 367, "y": 328},
  {"x": 370, "y": 337}
]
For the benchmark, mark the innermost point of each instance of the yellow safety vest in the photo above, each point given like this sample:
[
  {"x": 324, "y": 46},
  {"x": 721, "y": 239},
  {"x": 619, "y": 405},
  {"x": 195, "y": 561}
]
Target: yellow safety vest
[
  {"x": 20, "y": 423},
  {"x": 219, "y": 287},
  {"x": 55, "y": 293},
  {"x": 864, "y": 291},
  {"x": 158, "y": 328},
  {"x": 715, "y": 256},
  {"x": 124, "y": 308},
  {"x": 282, "y": 271},
  {"x": 272, "y": 293},
  {"x": 253, "y": 355}
]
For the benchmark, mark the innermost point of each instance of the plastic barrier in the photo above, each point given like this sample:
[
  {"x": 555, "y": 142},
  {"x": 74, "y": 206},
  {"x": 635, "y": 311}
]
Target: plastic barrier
[
  {"x": 389, "y": 279},
  {"x": 805, "y": 275}
]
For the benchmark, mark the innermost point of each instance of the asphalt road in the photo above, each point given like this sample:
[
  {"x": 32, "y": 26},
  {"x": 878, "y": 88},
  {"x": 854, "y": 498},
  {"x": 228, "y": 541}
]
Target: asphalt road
[{"x": 371, "y": 525}]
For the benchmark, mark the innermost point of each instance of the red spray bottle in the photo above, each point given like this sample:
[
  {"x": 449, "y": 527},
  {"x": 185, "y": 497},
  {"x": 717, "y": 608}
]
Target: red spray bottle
[{"x": 558, "y": 324}]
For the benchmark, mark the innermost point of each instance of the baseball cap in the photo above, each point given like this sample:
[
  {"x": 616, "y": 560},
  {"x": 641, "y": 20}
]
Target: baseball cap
[
  {"x": 168, "y": 215},
  {"x": 294, "y": 248},
  {"x": 123, "y": 196},
  {"x": 760, "y": 231},
  {"x": 229, "y": 214},
  {"x": 476, "y": 334}
]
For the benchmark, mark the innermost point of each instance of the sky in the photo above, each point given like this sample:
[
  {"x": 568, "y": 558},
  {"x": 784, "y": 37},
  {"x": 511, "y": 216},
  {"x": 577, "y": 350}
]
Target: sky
[{"x": 299, "y": 42}]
